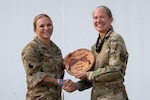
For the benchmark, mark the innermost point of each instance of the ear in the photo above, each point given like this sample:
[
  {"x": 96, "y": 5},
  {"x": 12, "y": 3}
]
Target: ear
[
  {"x": 111, "y": 20},
  {"x": 34, "y": 30}
]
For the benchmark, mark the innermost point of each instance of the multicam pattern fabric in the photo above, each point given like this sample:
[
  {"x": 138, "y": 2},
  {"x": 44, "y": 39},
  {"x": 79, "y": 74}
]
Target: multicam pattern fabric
[
  {"x": 40, "y": 61},
  {"x": 108, "y": 72}
]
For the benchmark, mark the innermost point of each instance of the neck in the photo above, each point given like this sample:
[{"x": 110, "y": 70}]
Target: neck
[
  {"x": 102, "y": 35},
  {"x": 46, "y": 42}
]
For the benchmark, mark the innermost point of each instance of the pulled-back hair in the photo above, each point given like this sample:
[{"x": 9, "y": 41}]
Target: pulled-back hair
[
  {"x": 38, "y": 17},
  {"x": 108, "y": 11}
]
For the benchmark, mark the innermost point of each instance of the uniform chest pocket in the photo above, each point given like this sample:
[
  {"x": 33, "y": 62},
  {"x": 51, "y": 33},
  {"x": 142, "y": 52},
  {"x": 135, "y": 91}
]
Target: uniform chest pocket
[{"x": 48, "y": 64}]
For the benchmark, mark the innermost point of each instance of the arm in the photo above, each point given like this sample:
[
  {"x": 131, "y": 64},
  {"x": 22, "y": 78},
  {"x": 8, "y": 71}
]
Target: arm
[
  {"x": 32, "y": 65},
  {"x": 71, "y": 86},
  {"x": 117, "y": 61}
]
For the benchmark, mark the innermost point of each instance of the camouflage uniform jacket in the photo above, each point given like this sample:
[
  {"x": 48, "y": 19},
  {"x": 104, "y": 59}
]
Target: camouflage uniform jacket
[
  {"x": 108, "y": 72},
  {"x": 40, "y": 61}
]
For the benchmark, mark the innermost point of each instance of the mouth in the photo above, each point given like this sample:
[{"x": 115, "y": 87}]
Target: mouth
[
  {"x": 46, "y": 33},
  {"x": 99, "y": 24}
]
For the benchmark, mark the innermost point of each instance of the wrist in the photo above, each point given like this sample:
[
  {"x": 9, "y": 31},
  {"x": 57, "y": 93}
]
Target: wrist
[
  {"x": 89, "y": 76},
  {"x": 76, "y": 86},
  {"x": 60, "y": 82}
]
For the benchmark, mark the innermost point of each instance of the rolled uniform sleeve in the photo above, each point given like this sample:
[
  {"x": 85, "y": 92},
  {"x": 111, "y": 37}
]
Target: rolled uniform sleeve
[
  {"x": 30, "y": 58},
  {"x": 83, "y": 84},
  {"x": 114, "y": 68}
]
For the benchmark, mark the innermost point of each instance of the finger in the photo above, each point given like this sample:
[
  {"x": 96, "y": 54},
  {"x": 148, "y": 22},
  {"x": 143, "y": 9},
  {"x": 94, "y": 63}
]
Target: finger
[
  {"x": 67, "y": 88},
  {"x": 66, "y": 82}
]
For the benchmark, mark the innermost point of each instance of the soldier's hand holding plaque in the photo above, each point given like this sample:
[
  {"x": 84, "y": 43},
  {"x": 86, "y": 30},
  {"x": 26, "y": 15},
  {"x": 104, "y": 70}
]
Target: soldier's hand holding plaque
[{"x": 79, "y": 61}]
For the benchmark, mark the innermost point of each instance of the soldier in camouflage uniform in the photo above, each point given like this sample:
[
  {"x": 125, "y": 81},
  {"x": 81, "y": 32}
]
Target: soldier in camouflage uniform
[
  {"x": 42, "y": 60},
  {"x": 111, "y": 56}
]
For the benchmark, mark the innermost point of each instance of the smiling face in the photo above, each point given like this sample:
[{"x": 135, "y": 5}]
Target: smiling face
[
  {"x": 43, "y": 27},
  {"x": 102, "y": 21}
]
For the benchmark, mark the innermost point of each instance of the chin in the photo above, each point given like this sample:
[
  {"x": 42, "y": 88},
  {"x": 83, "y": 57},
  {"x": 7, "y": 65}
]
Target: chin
[
  {"x": 100, "y": 31},
  {"x": 46, "y": 37}
]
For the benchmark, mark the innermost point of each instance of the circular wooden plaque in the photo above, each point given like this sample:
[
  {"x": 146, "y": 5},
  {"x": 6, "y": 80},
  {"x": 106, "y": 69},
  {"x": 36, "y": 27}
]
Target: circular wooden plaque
[{"x": 80, "y": 60}]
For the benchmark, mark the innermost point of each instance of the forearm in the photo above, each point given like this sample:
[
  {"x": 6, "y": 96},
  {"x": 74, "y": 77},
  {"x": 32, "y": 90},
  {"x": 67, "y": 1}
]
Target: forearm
[
  {"x": 83, "y": 84},
  {"x": 113, "y": 69},
  {"x": 51, "y": 81},
  {"x": 106, "y": 77},
  {"x": 107, "y": 74}
]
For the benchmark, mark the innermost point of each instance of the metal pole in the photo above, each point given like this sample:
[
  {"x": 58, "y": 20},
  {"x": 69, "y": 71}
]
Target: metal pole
[{"x": 62, "y": 96}]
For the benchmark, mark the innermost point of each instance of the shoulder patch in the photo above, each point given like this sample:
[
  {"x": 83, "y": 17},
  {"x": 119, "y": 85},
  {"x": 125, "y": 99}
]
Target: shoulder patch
[{"x": 122, "y": 57}]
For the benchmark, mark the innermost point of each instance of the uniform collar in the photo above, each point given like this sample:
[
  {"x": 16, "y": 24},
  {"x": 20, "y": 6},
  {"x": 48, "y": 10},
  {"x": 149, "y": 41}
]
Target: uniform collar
[
  {"x": 39, "y": 42},
  {"x": 109, "y": 33}
]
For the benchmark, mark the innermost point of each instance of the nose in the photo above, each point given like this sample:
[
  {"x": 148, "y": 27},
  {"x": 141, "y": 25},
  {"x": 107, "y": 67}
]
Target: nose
[
  {"x": 46, "y": 27},
  {"x": 99, "y": 19}
]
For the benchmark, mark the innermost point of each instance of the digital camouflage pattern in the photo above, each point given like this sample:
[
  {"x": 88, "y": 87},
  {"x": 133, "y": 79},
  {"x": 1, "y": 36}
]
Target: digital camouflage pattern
[
  {"x": 109, "y": 69},
  {"x": 40, "y": 61}
]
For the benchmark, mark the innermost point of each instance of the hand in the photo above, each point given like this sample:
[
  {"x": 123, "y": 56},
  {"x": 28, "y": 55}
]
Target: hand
[
  {"x": 82, "y": 75},
  {"x": 69, "y": 86}
]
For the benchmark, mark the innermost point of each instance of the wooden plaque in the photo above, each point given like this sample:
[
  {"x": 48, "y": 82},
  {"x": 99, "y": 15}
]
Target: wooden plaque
[{"x": 79, "y": 61}]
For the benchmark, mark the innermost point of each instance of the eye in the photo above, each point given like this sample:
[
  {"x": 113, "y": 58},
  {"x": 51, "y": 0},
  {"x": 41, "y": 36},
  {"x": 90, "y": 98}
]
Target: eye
[
  {"x": 99, "y": 17},
  {"x": 50, "y": 24},
  {"x": 103, "y": 17},
  {"x": 95, "y": 17},
  {"x": 41, "y": 26}
]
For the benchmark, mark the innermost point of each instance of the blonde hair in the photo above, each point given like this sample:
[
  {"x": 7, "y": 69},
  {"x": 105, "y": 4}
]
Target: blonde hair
[
  {"x": 38, "y": 17},
  {"x": 108, "y": 11}
]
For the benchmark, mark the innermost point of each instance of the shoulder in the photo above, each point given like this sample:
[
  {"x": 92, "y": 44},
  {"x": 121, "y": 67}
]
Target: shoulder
[
  {"x": 30, "y": 47},
  {"x": 116, "y": 40},
  {"x": 54, "y": 45},
  {"x": 116, "y": 37}
]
